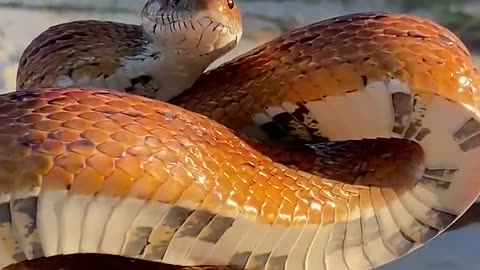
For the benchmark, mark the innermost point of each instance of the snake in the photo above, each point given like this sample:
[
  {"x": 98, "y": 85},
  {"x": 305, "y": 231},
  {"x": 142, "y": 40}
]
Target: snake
[{"x": 347, "y": 143}]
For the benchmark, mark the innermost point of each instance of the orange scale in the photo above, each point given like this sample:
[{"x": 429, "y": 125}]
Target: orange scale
[
  {"x": 105, "y": 95},
  {"x": 102, "y": 163},
  {"x": 86, "y": 182},
  {"x": 70, "y": 162},
  {"x": 228, "y": 169},
  {"x": 274, "y": 193},
  {"x": 393, "y": 32},
  {"x": 119, "y": 104},
  {"x": 176, "y": 146},
  {"x": 258, "y": 191},
  {"x": 106, "y": 109},
  {"x": 289, "y": 195},
  {"x": 325, "y": 193},
  {"x": 328, "y": 214},
  {"x": 92, "y": 101},
  {"x": 241, "y": 184},
  {"x": 77, "y": 94},
  {"x": 198, "y": 151},
  {"x": 136, "y": 129},
  {"x": 131, "y": 166},
  {"x": 304, "y": 196},
  {"x": 157, "y": 117},
  {"x": 147, "y": 123},
  {"x": 112, "y": 149},
  {"x": 348, "y": 77},
  {"x": 61, "y": 116},
  {"x": 191, "y": 161},
  {"x": 424, "y": 82},
  {"x": 204, "y": 177},
  {"x": 161, "y": 134},
  {"x": 223, "y": 183},
  {"x": 302, "y": 214},
  {"x": 289, "y": 183},
  {"x": 211, "y": 202},
  {"x": 57, "y": 179},
  {"x": 32, "y": 137},
  {"x": 324, "y": 85},
  {"x": 140, "y": 152},
  {"x": 277, "y": 180},
  {"x": 126, "y": 137},
  {"x": 234, "y": 203},
  {"x": 261, "y": 179},
  {"x": 107, "y": 125},
  {"x": 29, "y": 118},
  {"x": 345, "y": 190},
  {"x": 77, "y": 108},
  {"x": 62, "y": 101},
  {"x": 166, "y": 155},
  {"x": 50, "y": 147},
  {"x": 144, "y": 187},
  {"x": 47, "y": 125},
  {"x": 444, "y": 79},
  {"x": 143, "y": 108},
  {"x": 304, "y": 182},
  {"x": 168, "y": 192},
  {"x": 157, "y": 169},
  {"x": 82, "y": 147},
  {"x": 211, "y": 165},
  {"x": 285, "y": 214},
  {"x": 121, "y": 119},
  {"x": 182, "y": 174},
  {"x": 176, "y": 125},
  {"x": 47, "y": 109},
  {"x": 268, "y": 213},
  {"x": 184, "y": 140},
  {"x": 64, "y": 135},
  {"x": 37, "y": 163},
  {"x": 117, "y": 184},
  {"x": 77, "y": 124},
  {"x": 193, "y": 194},
  {"x": 96, "y": 136}
]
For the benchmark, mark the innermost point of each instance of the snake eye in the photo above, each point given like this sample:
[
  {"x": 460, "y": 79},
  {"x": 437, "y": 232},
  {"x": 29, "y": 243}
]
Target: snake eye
[{"x": 231, "y": 3}]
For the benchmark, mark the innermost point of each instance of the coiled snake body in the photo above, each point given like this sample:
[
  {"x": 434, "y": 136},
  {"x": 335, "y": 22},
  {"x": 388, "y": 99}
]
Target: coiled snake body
[{"x": 373, "y": 115}]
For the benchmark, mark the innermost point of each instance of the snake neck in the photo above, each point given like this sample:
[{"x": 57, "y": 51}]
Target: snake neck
[
  {"x": 162, "y": 73},
  {"x": 112, "y": 55}
]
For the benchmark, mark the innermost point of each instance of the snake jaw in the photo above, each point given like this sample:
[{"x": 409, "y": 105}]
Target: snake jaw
[{"x": 193, "y": 27}]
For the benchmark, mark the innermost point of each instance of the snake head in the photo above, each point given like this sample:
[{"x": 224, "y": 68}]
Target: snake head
[{"x": 196, "y": 27}]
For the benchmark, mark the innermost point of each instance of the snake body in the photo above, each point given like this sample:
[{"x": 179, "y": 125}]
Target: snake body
[{"x": 385, "y": 102}]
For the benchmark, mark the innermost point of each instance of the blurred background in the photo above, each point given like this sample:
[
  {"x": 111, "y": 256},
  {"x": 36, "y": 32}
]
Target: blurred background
[{"x": 23, "y": 20}]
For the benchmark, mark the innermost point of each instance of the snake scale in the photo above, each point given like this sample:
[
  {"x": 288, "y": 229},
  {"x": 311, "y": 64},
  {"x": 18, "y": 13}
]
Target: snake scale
[{"x": 344, "y": 144}]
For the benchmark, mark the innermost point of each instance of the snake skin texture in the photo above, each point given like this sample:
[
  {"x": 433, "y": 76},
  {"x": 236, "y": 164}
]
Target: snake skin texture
[{"x": 386, "y": 104}]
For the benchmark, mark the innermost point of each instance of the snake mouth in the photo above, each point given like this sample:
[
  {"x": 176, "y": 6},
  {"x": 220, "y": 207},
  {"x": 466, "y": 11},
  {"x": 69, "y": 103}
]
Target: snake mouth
[{"x": 193, "y": 27}]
